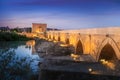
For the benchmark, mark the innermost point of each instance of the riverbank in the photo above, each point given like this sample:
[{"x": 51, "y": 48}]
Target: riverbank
[
  {"x": 65, "y": 75},
  {"x": 59, "y": 65},
  {"x": 12, "y": 36},
  {"x": 47, "y": 49},
  {"x": 71, "y": 70},
  {"x": 17, "y": 61}
]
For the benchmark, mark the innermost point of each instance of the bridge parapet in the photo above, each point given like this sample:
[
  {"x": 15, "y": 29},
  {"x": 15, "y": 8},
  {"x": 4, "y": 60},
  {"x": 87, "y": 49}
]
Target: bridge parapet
[{"x": 95, "y": 42}]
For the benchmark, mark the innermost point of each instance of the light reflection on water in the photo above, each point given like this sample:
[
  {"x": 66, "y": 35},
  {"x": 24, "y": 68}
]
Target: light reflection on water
[{"x": 23, "y": 50}]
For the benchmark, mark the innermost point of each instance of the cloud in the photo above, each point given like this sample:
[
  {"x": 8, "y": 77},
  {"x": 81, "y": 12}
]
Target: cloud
[{"x": 64, "y": 13}]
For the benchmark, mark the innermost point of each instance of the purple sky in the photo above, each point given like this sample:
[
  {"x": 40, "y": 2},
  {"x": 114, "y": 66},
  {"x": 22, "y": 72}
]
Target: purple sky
[{"x": 64, "y": 14}]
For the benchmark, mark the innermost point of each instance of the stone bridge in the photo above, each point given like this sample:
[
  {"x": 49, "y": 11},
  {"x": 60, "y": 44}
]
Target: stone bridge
[{"x": 100, "y": 43}]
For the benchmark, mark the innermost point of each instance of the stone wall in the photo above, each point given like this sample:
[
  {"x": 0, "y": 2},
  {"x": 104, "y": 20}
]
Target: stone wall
[
  {"x": 38, "y": 27},
  {"x": 92, "y": 40}
]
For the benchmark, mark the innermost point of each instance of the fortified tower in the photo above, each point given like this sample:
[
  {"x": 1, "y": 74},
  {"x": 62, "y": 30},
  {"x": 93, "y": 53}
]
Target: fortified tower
[{"x": 39, "y": 29}]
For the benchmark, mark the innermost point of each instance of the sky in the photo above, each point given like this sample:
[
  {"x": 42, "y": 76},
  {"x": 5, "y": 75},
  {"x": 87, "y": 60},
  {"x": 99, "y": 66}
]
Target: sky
[{"x": 62, "y": 14}]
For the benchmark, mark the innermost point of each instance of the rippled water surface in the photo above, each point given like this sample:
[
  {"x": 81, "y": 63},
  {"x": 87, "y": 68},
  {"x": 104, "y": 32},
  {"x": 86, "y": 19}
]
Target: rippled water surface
[{"x": 18, "y": 61}]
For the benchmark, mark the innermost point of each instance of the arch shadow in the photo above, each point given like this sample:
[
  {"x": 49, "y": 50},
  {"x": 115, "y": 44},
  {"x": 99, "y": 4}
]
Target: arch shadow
[
  {"x": 107, "y": 53},
  {"x": 53, "y": 37},
  {"x": 58, "y": 38},
  {"x": 49, "y": 36},
  {"x": 108, "y": 50},
  {"x": 79, "y": 48},
  {"x": 67, "y": 41}
]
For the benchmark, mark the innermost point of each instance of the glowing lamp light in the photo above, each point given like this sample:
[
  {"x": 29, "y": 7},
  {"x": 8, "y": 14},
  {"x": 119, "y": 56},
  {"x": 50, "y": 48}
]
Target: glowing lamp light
[
  {"x": 111, "y": 65},
  {"x": 106, "y": 62},
  {"x": 71, "y": 55},
  {"x": 74, "y": 58},
  {"x": 54, "y": 41},
  {"x": 102, "y": 60},
  {"x": 63, "y": 45},
  {"x": 74, "y": 55},
  {"x": 90, "y": 69},
  {"x": 49, "y": 40}
]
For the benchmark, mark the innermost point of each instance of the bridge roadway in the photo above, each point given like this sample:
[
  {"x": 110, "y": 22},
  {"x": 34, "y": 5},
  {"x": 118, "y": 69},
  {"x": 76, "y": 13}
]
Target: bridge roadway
[{"x": 99, "y": 43}]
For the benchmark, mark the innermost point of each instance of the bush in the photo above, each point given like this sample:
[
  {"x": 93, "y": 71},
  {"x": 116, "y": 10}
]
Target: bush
[
  {"x": 12, "y": 36},
  {"x": 13, "y": 67}
]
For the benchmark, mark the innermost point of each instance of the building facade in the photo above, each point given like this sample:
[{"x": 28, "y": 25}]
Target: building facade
[{"x": 39, "y": 28}]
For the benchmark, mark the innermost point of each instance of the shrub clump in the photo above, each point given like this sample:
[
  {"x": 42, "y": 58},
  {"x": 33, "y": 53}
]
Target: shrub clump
[
  {"x": 12, "y": 36},
  {"x": 13, "y": 67}
]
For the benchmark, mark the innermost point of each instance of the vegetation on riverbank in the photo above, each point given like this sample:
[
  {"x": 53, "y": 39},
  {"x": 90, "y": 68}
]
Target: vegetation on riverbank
[
  {"x": 13, "y": 67},
  {"x": 12, "y": 36}
]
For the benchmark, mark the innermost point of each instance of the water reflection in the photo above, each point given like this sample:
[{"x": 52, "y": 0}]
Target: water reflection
[
  {"x": 31, "y": 44},
  {"x": 17, "y": 60}
]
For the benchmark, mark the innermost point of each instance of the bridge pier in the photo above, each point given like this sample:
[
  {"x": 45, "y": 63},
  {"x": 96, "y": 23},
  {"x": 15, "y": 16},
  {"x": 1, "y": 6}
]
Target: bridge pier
[{"x": 90, "y": 41}]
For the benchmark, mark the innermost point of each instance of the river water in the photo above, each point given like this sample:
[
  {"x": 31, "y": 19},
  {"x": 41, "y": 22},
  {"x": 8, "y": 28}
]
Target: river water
[{"x": 18, "y": 60}]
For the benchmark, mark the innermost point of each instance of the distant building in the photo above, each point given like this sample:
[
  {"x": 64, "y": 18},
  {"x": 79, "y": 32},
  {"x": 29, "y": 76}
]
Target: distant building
[
  {"x": 20, "y": 30},
  {"x": 39, "y": 27},
  {"x": 28, "y": 29},
  {"x": 4, "y": 29}
]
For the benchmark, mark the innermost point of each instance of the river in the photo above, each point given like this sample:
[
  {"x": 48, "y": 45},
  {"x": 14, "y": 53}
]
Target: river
[{"x": 18, "y": 60}]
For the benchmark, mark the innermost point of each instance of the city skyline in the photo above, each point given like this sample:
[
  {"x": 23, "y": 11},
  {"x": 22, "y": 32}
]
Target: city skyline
[{"x": 63, "y": 14}]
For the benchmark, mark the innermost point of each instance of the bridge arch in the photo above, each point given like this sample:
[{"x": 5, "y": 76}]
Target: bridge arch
[
  {"x": 67, "y": 41},
  {"x": 59, "y": 38},
  {"x": 53, "y": 37},
  {"x": 49, "y": 36},
  {"x": 79, "y": 47},
  {"x": 108, "y": 50}
]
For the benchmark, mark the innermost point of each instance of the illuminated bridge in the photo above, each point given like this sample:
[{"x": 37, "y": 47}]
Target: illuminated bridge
[{"x": 99, "y": 43}]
